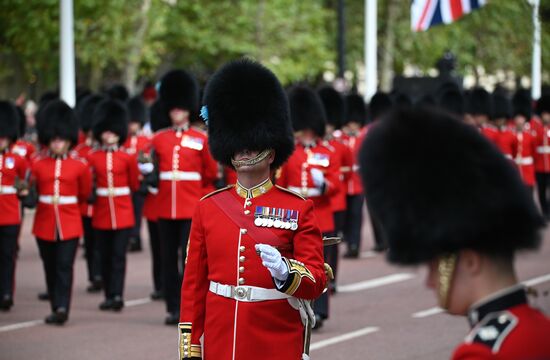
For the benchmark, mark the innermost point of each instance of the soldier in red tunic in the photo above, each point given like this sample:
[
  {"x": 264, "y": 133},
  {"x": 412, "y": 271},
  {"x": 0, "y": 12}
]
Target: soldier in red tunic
[
  {"x": 13, "y": 169},
  {"x": 63, "y": 182},
  {"x": 480, "y": 104},
  {"x": 542, "y": 154},
  {"x": 526, "y": 137},
  {"x": 116, "y": 177},
  {"x": 184, "y": 165},
  {"x": 255, "y": 250},
  {"x": 467, "y": 236}
]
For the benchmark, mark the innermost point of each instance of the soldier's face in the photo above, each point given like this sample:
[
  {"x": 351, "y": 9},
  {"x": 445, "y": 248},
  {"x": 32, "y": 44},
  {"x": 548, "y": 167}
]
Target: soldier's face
[
  {"x": 179, "y": 116},
  {"x": 545, "y": 116},
  {"x": 109, "y": 138},
  {"x": 246, "y": 154},
  {"x": 59, "y": 146},
  {"x": 4, "y": 143},
  {"x": 520, "y": 120},
  {"x": 133, "y": 128}
]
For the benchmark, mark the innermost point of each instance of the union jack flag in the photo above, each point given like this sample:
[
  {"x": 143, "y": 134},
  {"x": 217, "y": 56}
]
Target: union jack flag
[{"x": 428, "y": 13}]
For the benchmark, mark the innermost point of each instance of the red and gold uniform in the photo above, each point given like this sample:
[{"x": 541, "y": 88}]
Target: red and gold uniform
[
  {"x": 506, "y": 327},
  {"x": 184, "y": 165},
  {"x": 136, "y": 144},
  {"x": 343, "y": 152},
  {"x": 542, "y": 162},
  {"x": 12, "y": 167},
  {"x": 490, "y": 131},
  {"x": 24, "y": 149},
  {"x": 228, "y": 295},
  {"x": 507, "y": 143},
  {"x": 296, "y": 176},
  {"x": 526, "y": 149},
  {"x": 116, "y": 176}
]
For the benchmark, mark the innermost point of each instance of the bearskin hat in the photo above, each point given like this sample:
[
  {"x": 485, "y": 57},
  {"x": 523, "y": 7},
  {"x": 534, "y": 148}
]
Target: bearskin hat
[
  {"x": 453, "y": 102},
  {"x": 137, "y": 110},
  {"x": 85, "y": 111},
  {"x": 522, "y": 104},
  {"x": 418, "y": 194},
  {"x": 58, "y": 120},
  {"x": 179, "y": 89},
  {"x": 247, "y": 108},
  {"x": 356, "y": 111},
  {"x": 110, "y": 115},
  {"x": 158, "y": 117},
  {"x": 306, "y": 110},
  {"x": 335, "y": 107},
  {"x": 543, "y": 104},
  {"x": 501, "y": 106},
  {"x": 380, "y": 103},
  {"x": 401, "y": 99},
  {"x": 118, "y": 92},
  {"x": 9, "y": 120},
  {"x": 480, "y": 102}
]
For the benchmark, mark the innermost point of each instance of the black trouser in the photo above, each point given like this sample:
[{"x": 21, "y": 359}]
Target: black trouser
[
  {"x": 113, "y": 244},
  {"x": 321, "y": 305},
  {"x": 138, "y": 199},
  {"x": 58, "y": 260},
  {"x": 8, "y": 254},
  {"x": 174, "y": 235},
  {"x": 91, "y": 246},
  {"x": 543, "y": 181},
  {"x": 339, "y": 223},
  {"x": 154, "y": 240},
  {"x": 354, "y": 220}
]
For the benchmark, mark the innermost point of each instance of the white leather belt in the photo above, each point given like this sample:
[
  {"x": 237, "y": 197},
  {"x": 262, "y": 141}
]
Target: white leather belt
[
  {"x": 307, "y": 192},
  {"x": 62, "y": 200},
  {"x": 508, "y": 156},
  {"x": 246, "y": 293},
  {"x": 180, "y": 175},
  {"x": 543, "y": 149},
  {"x": 115, "y": 191},
  {"x": 7, "y": 190},
  {"x": 524, "y": 161}
]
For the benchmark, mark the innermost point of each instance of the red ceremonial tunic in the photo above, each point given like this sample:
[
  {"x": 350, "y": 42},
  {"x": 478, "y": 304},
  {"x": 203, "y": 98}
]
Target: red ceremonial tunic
[
  {"x": 296, "y": 176},
  {"x": 221, "y": 251},
  {"x": 525, "y": 154},
  {"x": 490, "y": 131},
  {"x": 185, "y": 166},
  {"x": 343, "y": 153},
  {"x": 542, "y": 142},
  {"x": 83, "y": 149},
  {"x": 137, "y": 143},
  {"x": 116, "y": 177},
  {"x": 62, "y": 184},
  {"x": 24, "y": 149},
  {"x": 355, "y": 187},
  {"x": 506, "y": 328},
  {"x": 507, "y": 143},
  {"x": 150, "y": 206},
  {"x": 12, "y": 166}
]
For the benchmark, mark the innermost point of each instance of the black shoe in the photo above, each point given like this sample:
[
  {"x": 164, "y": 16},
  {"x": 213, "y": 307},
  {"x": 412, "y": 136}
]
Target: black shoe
[
  {"x": 43, "y": 296},
  {"x": 318, "y": 322},
  {"x": 118, "y": 303},
  {"x": 6, "y": 303},
  {"x": 95, "y": 286},
  {"x": 172, "y": 319},
  {"x": 106, "y": 305},
  {"x": 352, "y": 254},
  {"x": 157, "y": 295},
  {"x": 134, "y": 245},
  {"x": 58, "y": 317}
]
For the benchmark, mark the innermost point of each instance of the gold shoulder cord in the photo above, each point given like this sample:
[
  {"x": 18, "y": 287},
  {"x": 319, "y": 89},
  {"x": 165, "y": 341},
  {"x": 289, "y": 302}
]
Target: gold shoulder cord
[{"x": 446, "y": 268}]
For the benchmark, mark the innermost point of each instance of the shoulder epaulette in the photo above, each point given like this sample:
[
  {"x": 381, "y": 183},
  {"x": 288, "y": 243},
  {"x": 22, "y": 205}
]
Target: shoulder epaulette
[
  {"x": 493, "y": 330},
  {"x": 290, "y": 192},
  {"x": 217, "y": 191}
]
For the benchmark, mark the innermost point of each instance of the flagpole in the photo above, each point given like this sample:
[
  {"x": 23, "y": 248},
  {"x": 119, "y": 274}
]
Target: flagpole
[
  {"x": 66, "y": 53},
  {"x": 536, "y": 62},
  {"x": 371, "y": 76}
]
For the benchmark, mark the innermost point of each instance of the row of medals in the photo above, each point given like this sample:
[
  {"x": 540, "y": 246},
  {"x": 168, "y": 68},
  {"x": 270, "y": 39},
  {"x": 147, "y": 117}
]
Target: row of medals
[{"x": 276, "y": 223}]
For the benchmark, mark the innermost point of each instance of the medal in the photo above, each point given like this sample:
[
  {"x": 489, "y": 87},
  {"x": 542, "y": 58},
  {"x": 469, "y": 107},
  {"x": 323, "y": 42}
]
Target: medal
[
  {"x": 294, "y": 226},
  {"x": 277, "y": 224},
  {"x": 270, "y": 222},
  {"x": 258, "y": 221}
]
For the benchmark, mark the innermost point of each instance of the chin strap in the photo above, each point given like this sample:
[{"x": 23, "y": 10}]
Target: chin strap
[
  {"x": 250, "y": 162},
  {"x": 446, "y": 268}
]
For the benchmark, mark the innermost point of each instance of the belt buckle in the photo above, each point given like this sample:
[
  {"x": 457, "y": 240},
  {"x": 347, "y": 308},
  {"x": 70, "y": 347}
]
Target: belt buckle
[
  {"x": 111, "y": 191},
  {"x": 240, "y": 293},
  {"x": 55, "y": 199},
  {"x": 174, "y": 175}
]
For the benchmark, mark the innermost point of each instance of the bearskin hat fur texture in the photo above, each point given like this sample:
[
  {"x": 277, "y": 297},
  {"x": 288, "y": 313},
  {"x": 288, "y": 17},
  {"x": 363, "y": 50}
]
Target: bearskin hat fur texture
[
  {"x": 58, "y": 120},
  {"x": 110, "y": 115},
  {"x": 436, "y": 186},
  {"x": 85, "y": 111},
  {"x": 334, "y": 105},
  {"x": 452, "y": 101},
  {"x": 543, "y": 104},
  {"x": 480, "y": 102},
  {"x": 9, "y": 120},
  {"x": 306, "y": 110},
  {"x": 380, "y": 103},
  {"x": 247, "y": 109},
  {"x": 179, "y": 89},
  {"x": 501, "y": 106},
  {"x": 356, "y": 111},
  {"x": 522, "y": 104},
  {"x": 137, "y": 110}
]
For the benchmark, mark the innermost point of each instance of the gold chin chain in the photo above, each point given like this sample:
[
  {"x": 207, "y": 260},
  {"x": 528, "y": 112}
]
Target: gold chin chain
[
  {"x": 250, "y": 162},
  {"x": 446, "y": 268}
]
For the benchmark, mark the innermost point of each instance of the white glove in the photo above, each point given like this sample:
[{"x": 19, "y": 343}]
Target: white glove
[
  {"x": 146, "y": 168},
  {"x": 273, "y": 261},
  {"x": 318, "y": 177}
]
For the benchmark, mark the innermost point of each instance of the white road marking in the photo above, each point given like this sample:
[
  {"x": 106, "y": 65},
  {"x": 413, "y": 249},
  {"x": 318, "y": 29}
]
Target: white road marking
[
  {"x": 21, "y": 325},
  {"x": 367, "y": 254},
  {"x": 437, "y": 310},
  {"x": 137, "y": 302},
  {"x": 373, "y": 283},
  {"x": 344, "y": 337},
  {"x": 425, "y": 313}
]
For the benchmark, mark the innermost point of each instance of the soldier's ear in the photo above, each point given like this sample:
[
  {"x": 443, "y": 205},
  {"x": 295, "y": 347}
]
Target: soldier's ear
[
  {"x": 471, "y": 262},
  {"x": 271, "y": 157}
]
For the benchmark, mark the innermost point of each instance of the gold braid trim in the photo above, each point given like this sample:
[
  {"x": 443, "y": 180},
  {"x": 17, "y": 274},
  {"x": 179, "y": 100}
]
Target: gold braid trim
[
  {"x": 250, "y": 162},
  {"x": 296, "y": 271},
  {"x": 446, "y": 267},
  {"x": 186, "y": 349}
]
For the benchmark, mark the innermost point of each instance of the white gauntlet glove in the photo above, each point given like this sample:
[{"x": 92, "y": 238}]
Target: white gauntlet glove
[
  {"x": 318, "y": 177},
  {"x": 273, "y": 261},
  {"x": 146, "y": 168}
]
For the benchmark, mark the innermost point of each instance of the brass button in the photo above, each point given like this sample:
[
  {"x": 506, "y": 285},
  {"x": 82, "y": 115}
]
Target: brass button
[
  {"x": 241, "y": 281},
  {"x": 246, "y": 212},
  {"x": 241, "y": 269},
  {"x": 242, "y": 249},
  {"x": 242, "y": 259},
  {"x": 243, "y": 231}
]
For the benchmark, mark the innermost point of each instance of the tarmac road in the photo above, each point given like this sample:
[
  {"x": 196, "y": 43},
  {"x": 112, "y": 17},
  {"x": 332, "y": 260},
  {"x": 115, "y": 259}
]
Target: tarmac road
[{"x": 380, "y": 312}]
